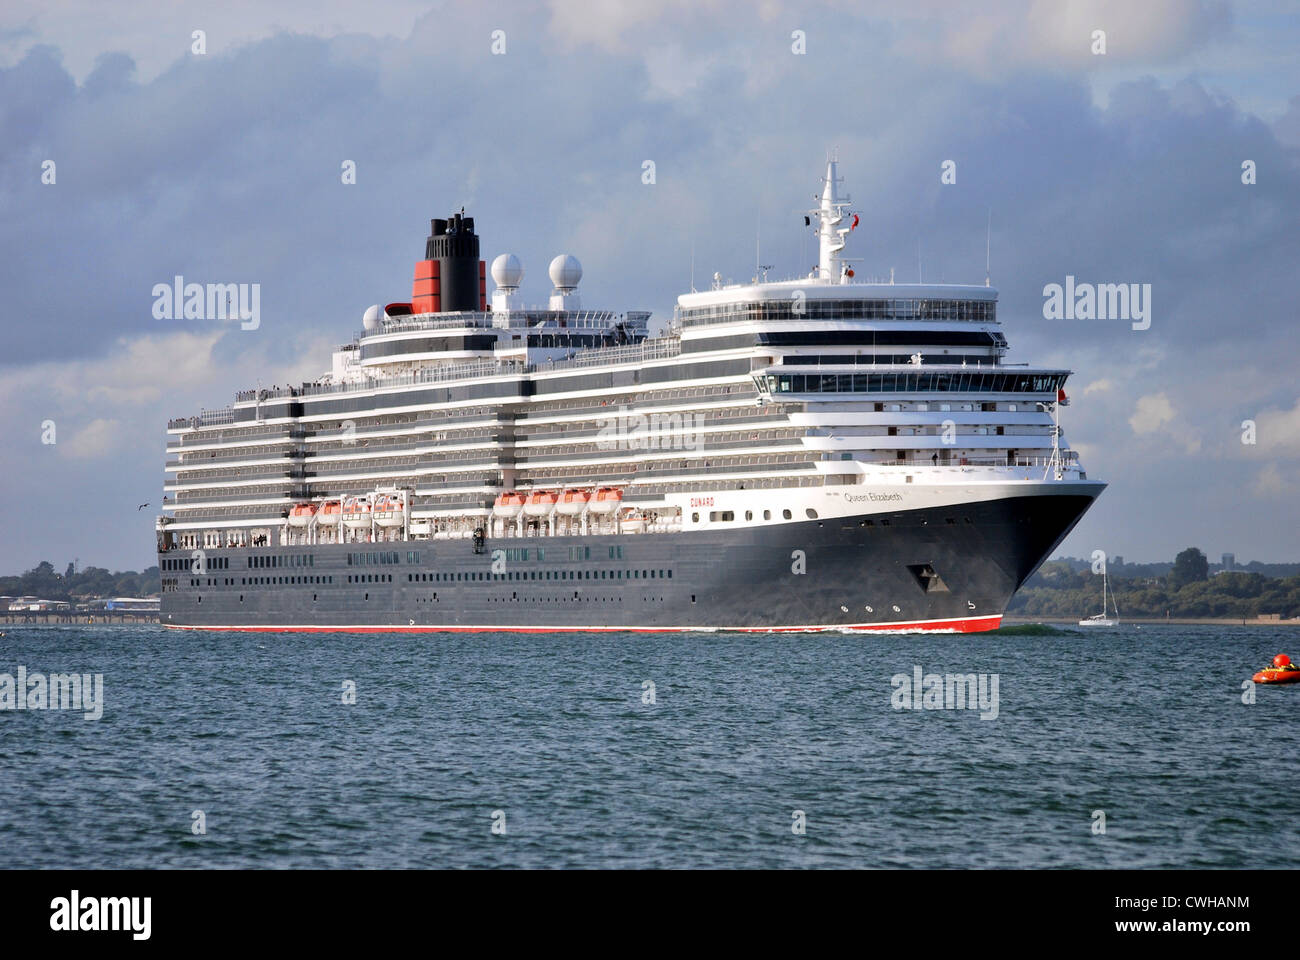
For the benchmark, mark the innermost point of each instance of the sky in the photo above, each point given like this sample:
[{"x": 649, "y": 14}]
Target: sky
[{"x": 221, "y": 161}]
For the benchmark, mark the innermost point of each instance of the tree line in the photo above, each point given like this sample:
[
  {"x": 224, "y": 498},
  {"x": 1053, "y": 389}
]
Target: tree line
[
  {"x": 1187, "y": 590},
  {"x": 44, "y": 581}
]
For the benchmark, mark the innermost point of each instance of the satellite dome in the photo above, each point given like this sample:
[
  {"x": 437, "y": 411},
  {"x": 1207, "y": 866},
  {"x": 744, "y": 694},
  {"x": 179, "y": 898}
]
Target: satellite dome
[
  {"x": 507, "y": 271},
  {"x": 370, "y": 319},
  {"x": 565, "y": 271}
]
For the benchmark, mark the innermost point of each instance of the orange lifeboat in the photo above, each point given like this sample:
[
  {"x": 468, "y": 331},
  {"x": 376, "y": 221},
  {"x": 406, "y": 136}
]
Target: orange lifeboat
[
  {"x": 329, "y": 512},
  {"x": 356, "y": 512},
  {"x": 508, "y": 504},
  {"x": 301, "y": 513},
  {"x": 1270, "y": 675},
  {"x": 540, "y": 503},
  {"x": 606, "y": 500},
  {"x": 389, "y": 510},
  {"x": 573, "y": 502}
]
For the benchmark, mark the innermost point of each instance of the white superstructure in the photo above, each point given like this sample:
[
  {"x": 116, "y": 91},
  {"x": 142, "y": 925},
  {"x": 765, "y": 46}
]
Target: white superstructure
[{"x": 766, "y": 403}]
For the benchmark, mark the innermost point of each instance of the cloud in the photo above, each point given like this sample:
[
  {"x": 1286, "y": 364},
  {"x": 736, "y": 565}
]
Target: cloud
[
  {"x": 1098, "y": 386},
  {"x": 1271, "y": 483},
  {"x": 1277, "y": 432},
  {"x": 1151, "y": 413},
  {"x": 94, "y": 440},
  {"x": 225, "y": 168},
  {"x": 1047, "y": 34}
]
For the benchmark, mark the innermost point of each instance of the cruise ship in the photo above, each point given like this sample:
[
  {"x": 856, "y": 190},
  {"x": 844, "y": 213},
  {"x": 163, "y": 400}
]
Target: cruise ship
[{"x": 824, "y": 453}]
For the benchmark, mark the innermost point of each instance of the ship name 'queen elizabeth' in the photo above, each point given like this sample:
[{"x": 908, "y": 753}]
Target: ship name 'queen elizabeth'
[{"x": 812, "y": 454}]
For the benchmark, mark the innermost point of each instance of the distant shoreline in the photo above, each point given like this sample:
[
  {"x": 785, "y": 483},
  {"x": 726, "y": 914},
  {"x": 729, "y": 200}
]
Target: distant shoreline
[
  {"x": 79, "y": 619},
  {"x": 1017, "y": 619}
]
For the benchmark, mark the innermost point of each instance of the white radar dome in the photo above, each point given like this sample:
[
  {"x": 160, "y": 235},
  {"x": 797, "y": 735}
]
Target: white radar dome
[
  {"x": 565, "y": 271},
  {"x": 507, "y": 271},
  {"x": 370, "y": 319}
]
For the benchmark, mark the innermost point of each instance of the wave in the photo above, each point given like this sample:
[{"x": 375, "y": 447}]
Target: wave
[{"x": 1031, "y": 630}]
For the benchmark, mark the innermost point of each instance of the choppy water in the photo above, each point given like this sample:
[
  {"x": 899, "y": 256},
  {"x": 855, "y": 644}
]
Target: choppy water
[{"x": 1145, "y": 724}]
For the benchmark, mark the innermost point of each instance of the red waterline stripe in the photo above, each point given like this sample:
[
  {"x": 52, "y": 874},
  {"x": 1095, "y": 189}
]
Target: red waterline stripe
[{"x": 968, "y": 625}]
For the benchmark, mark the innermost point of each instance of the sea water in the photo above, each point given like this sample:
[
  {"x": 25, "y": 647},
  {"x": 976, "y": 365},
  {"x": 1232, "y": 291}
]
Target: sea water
[{"x": 1126, "y": 747}]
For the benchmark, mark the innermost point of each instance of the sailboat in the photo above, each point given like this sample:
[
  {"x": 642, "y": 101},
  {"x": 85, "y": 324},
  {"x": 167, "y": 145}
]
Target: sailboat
[{"x": 1101, "y": 619}]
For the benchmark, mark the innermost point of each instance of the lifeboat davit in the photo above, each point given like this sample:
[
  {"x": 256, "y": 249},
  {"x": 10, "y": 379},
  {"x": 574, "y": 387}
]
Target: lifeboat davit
[
  {"x": 540, "y": 503},
  {"x": 508, "y": 504},
  {"x": 1271, "y": 675},
  {"x": 389, "y": 510},
  {"x": 301, "y": 514},
  {"x": 573, "y": 502},
  {"x": 356, "y": 512},
  {"x": 329, "y": 512},
  {"x": 606, "y": 500}
]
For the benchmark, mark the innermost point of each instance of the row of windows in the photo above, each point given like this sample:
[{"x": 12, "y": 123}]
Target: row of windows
[
  {"x": 371, "y": 578},
  {"x": 188, "y": 563},
  {"x": 983, "y": 311},
  {"x": 723, "y": 516},
  {"x": 299, "y": 580},
  {"x": 883, "y": 359},
  {"x": 916, "y": 382},
  {"x": 171, "y": 584},
  {"x": 479, "y": 575},
  {"x": 277, "y": 560},
  {"x": 380, "y": 557}
]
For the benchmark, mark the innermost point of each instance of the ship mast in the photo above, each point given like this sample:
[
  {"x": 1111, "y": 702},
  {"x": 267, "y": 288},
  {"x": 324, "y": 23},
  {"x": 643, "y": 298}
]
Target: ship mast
[{"x": 830, "y": 215}]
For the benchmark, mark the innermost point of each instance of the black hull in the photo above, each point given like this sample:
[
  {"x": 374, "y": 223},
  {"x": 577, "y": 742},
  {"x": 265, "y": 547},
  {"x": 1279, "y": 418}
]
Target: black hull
[{"x": 933, "y": 569}]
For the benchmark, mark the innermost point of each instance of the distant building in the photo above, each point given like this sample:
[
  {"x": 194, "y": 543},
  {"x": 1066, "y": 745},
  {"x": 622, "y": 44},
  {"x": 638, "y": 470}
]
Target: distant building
[
  {"x": 139, "y": 604},
  {"x": 1229, "y": 561},
  {"x": 37, "y": 605}
]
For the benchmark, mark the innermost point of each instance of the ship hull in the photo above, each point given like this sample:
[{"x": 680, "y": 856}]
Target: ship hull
[{"x": 919, "y": 570}]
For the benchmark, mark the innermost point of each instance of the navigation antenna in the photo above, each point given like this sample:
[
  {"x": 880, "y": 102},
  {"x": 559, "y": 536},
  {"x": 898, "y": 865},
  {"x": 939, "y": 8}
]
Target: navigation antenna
[{"x": 988, "y": 243}]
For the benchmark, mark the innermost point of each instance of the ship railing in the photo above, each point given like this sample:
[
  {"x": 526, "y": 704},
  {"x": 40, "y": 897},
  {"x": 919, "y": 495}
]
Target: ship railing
[
  {"x": 207, "y": 418},
  {"x": 442, "y": 374},
  {"x": 202, "y": 459},
  {"x": 525, "y": 319},
  {"x": 421, "y": 464},
  {"x": 282, "y": 434},
  {"x": 362, "y": 447},
  {"x": 269, "y": 474},
  {"x": 658, "y": 349},
  {"x": 696, "y": 396},
  {"x": 1069, "y": 458},
  {"x": 876, "y": 310}
]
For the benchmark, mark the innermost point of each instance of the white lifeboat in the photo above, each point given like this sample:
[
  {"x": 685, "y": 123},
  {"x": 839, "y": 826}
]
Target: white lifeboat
[
  {"x": 356, "y": 512},
  {"x": 301, "y": 513},
  {"x": 508, "y": 504},
  {"x": 389, "y": 510},
  {"x": 573, "y": 502},
  {"x": 329, "y": 512},
  {"x": 540, "y": 503},
  {"x": 632, "y": 522},
  {"x": 606, "y": 500}
]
